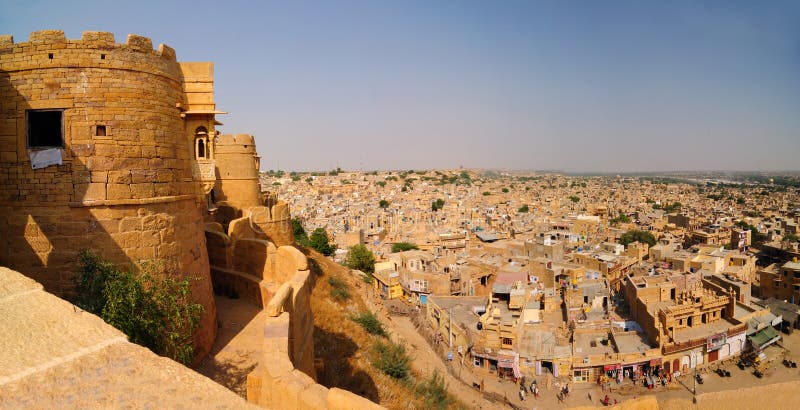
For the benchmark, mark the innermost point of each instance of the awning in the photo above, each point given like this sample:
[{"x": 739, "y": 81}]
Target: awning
[
  {"x": 764, "y": 337},
  {"x": 655, "y": 362}
]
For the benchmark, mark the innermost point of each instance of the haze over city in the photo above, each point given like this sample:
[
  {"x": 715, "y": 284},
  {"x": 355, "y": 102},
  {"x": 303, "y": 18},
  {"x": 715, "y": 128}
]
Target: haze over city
[{"x": 574, "y": 86}]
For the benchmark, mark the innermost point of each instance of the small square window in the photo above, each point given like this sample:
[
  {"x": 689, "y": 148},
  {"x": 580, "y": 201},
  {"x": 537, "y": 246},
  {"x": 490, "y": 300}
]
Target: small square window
[
  {"x": 44, "y": 128},
  {"x": 100, "y": 131}
]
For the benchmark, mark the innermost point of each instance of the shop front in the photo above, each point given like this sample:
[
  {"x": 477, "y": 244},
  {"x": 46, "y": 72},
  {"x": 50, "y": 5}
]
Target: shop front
[{"x": 508, "y": 365}]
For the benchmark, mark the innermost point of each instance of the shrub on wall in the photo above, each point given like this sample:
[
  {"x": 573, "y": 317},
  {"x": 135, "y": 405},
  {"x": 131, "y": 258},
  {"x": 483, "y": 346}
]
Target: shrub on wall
[{"x": 153, "y": 310}]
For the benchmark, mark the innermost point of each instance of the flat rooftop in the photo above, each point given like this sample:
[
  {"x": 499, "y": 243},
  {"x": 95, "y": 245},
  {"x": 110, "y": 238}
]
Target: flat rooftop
[
  {"x": 704, "y": 330},
  {"x": 591, "y": 344},
  {"x": 632, "y": 342}
]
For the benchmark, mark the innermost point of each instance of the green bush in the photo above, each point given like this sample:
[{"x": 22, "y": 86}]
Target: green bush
[
  {"x": 319, "y": 241},
  {"x": 637, "y": 236},
  {"x": 621, "y": 218},
  {"x": 523, "y": 209},
  {"x": 434, "y": 392},
  {"x": 403, "y": 246},
  {"x": 369, "y": 322},
  {"x": 391, "y": 358},
  {"x": 154, "y": 310},
  {"x": 299, "y": 232},
  {"x": 339, "y": 290}
]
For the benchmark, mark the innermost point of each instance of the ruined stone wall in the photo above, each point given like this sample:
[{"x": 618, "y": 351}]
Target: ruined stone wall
[
  {"x": 128, "y": 194},
  {"x": 277, "y": 279},
  {"x": 284, "y": 376},
  {"x": 275, "y": 221}
]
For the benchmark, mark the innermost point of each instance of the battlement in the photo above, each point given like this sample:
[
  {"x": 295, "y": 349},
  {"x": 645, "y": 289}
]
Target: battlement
[{"x": 103, "y": 40}]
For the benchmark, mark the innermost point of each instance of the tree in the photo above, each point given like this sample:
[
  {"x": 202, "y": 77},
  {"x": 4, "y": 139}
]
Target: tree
[
  {"x": 486, "y": 193},
  {"x": 574, "y": 199},
  {"x": 319, "y": 241},
  {"x": 505, "y": 190},
  {"x": 437, "y": 204},
  {"x": 637, "y": 236},
  {"x": 791, "y": 238},
  {"x": 523, "y": 209},
  {"x": 621, "y": 218},
  {"x": 383, "y": 203},
  {"x": 360, "y": 258},
  {"x": 299, "y": 232},
  {"x": 403, "y": 246},
  {"x": 672, "y": 207}
]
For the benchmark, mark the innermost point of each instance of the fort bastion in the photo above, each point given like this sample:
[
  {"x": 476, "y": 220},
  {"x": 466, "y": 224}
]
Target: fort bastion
[{"x": 113, "y": 148}]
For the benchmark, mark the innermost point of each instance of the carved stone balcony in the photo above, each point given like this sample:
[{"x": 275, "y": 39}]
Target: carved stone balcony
[{"x": 204, "y": 171}]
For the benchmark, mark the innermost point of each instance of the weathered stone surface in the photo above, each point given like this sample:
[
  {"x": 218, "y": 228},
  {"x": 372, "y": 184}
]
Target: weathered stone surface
[{"x": 46, "y": 338}]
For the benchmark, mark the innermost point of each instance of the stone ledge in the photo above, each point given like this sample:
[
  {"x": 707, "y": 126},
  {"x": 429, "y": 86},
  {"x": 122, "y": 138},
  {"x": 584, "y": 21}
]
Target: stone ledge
[{"x": 132, "y": 201}]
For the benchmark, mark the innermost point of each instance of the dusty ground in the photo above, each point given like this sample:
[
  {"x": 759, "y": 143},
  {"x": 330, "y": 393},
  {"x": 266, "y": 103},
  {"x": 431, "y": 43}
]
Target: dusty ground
[
  {"x": 236, "y": 350},
  {"x": 425, "y": 361}
]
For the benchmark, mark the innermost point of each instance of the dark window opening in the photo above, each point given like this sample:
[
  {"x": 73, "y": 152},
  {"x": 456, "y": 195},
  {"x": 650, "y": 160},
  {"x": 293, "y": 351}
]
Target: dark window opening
[
  {"x": 100, "y": 131},
  {"x": 102, "y": 56},
  {"x": 50, "y": 56},
  {"x": 45, "y": 128},
  {"x": 200, "y": 148}
]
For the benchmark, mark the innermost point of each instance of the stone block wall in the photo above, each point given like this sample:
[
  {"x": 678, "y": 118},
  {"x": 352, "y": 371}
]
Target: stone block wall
[
  {"x": 244, "y": 261},
  {"x": 128, "y": 192},
  {"x": 283, "y": 378},
  {"x": 237, "y": 171},
  {"x": 275, "y": 221}
]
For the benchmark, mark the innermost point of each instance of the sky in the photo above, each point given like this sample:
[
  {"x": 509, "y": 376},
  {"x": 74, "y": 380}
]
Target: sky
[{"x": 578, "y": 86}]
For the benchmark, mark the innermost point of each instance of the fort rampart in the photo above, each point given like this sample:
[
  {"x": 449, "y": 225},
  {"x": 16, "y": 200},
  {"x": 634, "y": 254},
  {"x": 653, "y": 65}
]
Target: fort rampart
[{"x": 119, "y": 180}]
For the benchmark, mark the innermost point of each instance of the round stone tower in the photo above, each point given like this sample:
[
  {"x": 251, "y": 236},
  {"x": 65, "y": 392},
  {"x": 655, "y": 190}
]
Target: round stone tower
[
  {"x": 94, "y": 155},
  {"x": 237, "y": 171}
]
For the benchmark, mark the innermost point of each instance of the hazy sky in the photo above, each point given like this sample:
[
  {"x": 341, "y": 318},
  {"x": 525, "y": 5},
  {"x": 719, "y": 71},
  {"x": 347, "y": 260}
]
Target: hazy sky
[{"x": 572, "y": 85}]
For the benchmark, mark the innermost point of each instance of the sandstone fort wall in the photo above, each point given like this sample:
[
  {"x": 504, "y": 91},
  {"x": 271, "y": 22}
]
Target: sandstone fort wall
[{"x": 126, "y": 192}]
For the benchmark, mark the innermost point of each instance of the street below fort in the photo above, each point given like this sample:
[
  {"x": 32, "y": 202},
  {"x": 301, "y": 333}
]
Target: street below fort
[{"x": 676, "y": 395}]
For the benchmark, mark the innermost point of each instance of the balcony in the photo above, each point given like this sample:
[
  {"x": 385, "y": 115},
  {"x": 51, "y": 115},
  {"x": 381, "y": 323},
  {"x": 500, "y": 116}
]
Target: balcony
[{"x": 203, "y": 170}]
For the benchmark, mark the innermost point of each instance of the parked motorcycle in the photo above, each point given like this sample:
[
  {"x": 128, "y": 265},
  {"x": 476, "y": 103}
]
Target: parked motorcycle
[{"x": 699, "y": 378}]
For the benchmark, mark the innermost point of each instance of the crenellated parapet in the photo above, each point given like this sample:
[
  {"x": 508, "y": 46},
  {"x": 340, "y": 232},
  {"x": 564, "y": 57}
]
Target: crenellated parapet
[
  {"x": 95, "y": 154},
  {"x": 51, "y": 49}
]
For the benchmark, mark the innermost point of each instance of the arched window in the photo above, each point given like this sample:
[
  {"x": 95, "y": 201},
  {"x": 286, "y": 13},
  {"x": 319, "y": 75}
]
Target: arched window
[
  {"x": 201, "y": 148},
  {"x": 201, "y": 142}
]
